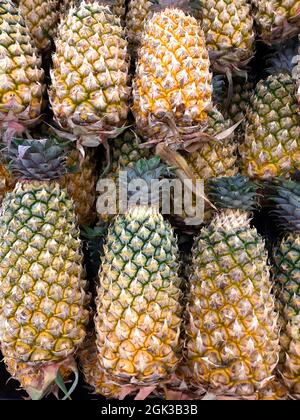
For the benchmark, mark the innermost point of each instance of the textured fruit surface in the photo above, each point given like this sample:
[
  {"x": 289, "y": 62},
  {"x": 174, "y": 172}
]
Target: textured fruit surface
[
  {"x": 90, "y": 93},
  {"x": 215, "y": 158},
  {"x": 277, "y": 20},
  {"x": 272, "y": 138},
  {"x": 138, "y": 304},
  {"x": 41, "y": 294},
  {"x": 21, "y": 77},
  {"x": 232, "y": 335},
  {"x": 138, "y": 11},
  {"x": 6, "y": 181},
  {"x": 229, "y": 32},
  {"x": 41, "y": 18},
  {"x": 172, "y": 89},
  {"x": 81, "y": 186},
  {"x": 94, "y": 374},
  {"x": 287, "y": 286}
]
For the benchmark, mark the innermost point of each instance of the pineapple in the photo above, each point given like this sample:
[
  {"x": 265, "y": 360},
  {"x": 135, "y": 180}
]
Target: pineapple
[
  {"x": 81, "y": 186},
  {"x": 172, "y": 90},
  {"x": 296, "y": 71},
  {"x": 93, "y": 373},
  {"x": 232, "y": 337},
  {"x": 138, "y": 305},
  {"x": 229, "y": 33},
  {"x": 138, "y": 13},
  {"x": 41, "y": 18},
  {"x": 21, "y": 76},
  {"x": 215, "y": 158},
  {"x": 272, "y": 137},
  {"x": 90, "y": 76},
  {"x": 42, "y": 298},
  {"x": 126, "y": 151},
  {"x": 276, "y": 20},
  {"x": 287, "y": 281}
]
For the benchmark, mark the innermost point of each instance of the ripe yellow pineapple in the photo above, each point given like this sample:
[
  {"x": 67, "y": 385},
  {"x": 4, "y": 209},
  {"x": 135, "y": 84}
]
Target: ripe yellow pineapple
[
  {"x": 276, "y": 20},
  {"x": 41, "y": 18},
  {"x": 90, "y": 92},
  {"x": 81, "y": 185},
  {"x": 42, "y": 298},
  {"x": 138, "y": 304},
  {"x": 21, "y": 77},
  {"x": 232, "y": 337},
  {"x": 272, "y": 136},
  {"x": 286, "y": 197},
  {"x": 172, "y": 89},
  {"x": 229, "y": 33}
]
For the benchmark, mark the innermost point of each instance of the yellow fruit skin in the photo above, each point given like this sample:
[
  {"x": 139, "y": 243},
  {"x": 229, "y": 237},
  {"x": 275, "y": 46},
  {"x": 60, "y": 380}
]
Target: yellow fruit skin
[
  {"x": 42, "y": 300},
  {"x": 138, "y": 12},
  {"x": 272, "y": 137},
  {"x": 90, "y": 77},
  {"x": 286, "y": 277},
  {"x": 41, "y": 18},
  {"x": 172, "y": 88},
  {"x": 138, "y": 304},
  {"x": 232, "y": 344},
  {"x": 277, "y": 20},
  {"x": 94, "y": 375},
  {"x": 6, "y": 182},
  {"x": 21, "y": 78},
  {"x": 229, "y": 33}
]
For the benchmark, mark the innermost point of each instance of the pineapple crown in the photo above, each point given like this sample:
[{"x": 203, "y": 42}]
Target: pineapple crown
[
  {"x": 37, "y": 159},
  {"x": 282, "y": 59},
  {"x": 285, "y": 196},
  {"x": 142, "y": 175},
  {"x": 236, "y": 192}
]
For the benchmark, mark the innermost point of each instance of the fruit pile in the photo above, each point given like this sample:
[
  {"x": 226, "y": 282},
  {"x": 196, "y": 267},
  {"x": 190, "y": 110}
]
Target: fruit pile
[{"x": 142, "y": 303}]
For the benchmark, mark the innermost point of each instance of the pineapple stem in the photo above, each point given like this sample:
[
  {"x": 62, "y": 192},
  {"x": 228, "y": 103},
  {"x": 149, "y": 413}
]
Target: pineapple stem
[{"x": 60, "y": 383}]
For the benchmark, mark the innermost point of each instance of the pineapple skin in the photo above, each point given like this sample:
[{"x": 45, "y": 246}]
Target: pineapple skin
[
  {"x": 232, "y": 334},
  {"x": 21, "y": 80},
  {"x": 272, "y": 138},
  {"x": 276, "y": 20},
  {"x": 7, "y": 182},
  {"x": 42, "y": 298},
  {"x": 93, "y": 373},
  {"x": 138, "y": 304},
  {"x": 172, "y": 89},
  {"x": 81, "y": 186},
  {"x": 138, "y": 12},
  {"x": 229, "y": 33},
  {"x": 215, "y": 158},
  {"x": 90, "y": 41},
  {"x": 41, "y": 18},
  {"x": 287, "y": 287}
]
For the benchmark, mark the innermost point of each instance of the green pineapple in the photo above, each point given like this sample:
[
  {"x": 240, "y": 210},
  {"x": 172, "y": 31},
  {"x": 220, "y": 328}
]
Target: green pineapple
[
  {"x": 42, "y": 298},
  {"x": 138, "y": 305},
  {"x": 286, "y": 197},
  {"x": 232, "y": 338}
]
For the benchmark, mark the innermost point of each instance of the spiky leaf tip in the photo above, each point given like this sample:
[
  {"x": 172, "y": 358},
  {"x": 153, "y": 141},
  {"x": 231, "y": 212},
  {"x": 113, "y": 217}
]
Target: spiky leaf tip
[
  {"x": 285, "y": 198},
  {"x": 37, "y": 159},
  {"x": 236, "y": 192}
]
